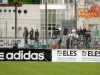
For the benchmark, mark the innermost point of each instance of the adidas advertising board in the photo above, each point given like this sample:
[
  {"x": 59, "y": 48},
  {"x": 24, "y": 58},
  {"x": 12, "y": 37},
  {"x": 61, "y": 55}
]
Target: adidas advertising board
[
  {"x": 25, "y": 55},
  {"x": 71, "y": 55}
]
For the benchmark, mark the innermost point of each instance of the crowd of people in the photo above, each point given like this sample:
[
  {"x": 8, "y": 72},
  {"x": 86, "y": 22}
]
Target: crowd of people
[
  {"x": 76, "y": 38},
  {"x": 72, "y": 38},
  {"x": 32, "y": 34}
]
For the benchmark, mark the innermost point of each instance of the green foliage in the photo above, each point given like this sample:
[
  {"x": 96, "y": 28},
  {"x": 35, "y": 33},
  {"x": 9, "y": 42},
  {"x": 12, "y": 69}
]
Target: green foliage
[{"x": 24, "y": 1}]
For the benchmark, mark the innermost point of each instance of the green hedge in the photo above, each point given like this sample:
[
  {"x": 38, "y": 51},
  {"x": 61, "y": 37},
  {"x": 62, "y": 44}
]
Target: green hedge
[{"x": 24, "y": 1}]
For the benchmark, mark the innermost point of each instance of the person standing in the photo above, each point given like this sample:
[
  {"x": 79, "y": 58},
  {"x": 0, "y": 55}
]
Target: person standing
[
  {"x": 36, "y": 34},
  {"x": 59, "y": 42},
  {"x": 68, "y": 42},
  {"x": 65, "y": 33},
  {"x": 25, "y": 34},
  {"x": 73, "y": 30},
  {"x": 84, "y": 32},
  {"x": 89, "y": 34},
  {"x": 87, "y": 42},
  {"x": 15, "y": 45},
  {"x": 75, "y": 42},
  {"x": 79, "y": 31},
  {"x": 31, "y": 33},
  {"x": 96, "y": 33},
  {"x": 69, "y": 30},
  {"x": 56, "y": 33}
]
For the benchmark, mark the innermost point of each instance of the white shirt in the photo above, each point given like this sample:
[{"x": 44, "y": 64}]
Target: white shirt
[{"x": 73, "y": 30}]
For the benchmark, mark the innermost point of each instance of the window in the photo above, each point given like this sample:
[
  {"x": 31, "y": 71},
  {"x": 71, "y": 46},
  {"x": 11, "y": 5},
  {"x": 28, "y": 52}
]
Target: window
[
  {"x": 56, "y": 1},
  {"x": 49, "y": 11},
  {"x": 66, "y": 1},
  {"x": 49, "y": 28},
  {"x": 58, "y": 11},
  {"x": 53, "y": 25},
  {"x": 53, "y": 28},
  {"x": 43, "y": 28},
  {"x": 49, "y": 24},
  {"x": 52, "y": 1},
  {"x": 54, "y": 18},
  {"x": 42, "y": 18},
  {"x": 70, "y": 1},
  {"x": 49, "y": 1},
  {"x": 60, "y": 1},
  {"x": 44, "y": 1},
  {"x": 62, "y": 14},
  {"x": 49, "y": 18}
]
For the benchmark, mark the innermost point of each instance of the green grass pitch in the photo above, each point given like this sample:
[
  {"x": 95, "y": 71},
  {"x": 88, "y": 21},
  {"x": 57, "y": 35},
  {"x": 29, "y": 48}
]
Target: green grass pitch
[{"x": 48, "y": 68}]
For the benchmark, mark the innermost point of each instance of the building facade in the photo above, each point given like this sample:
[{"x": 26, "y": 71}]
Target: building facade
[
  {"x": 27, "y": 16},
  {"x": 60, "y": 13},
  {"x": 57, "y": 11}
]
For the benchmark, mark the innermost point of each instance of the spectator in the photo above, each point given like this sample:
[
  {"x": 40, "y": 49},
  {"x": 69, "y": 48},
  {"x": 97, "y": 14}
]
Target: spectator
[
  {"x": 89, "y": 33},
  {"x": 15, "y": 45},
  {"x": 87, "y": 36},
  {"x": 75, "y": 42},
  {"x": 84, "y": 31},
  {"x": 31, "y": 33},
  {"x": 80, "y": 38},
  {"x": 65, "y": 33},
  {"x": 79, "y": 31},
  {"x": 73, "y": 30},
  {"x": 59, "y": 42},
  {"x": 69, "y": 30},
  {"x": 36, "y": 34},
  {"x": 68, "y": 42},
  {"x": 96, "y": 33},
  {"x": 56, "y": 32},
  {"x": 25, "y": 34},
  {"x": 71, "y": 38},
  {"x": 75, "y": 34}
]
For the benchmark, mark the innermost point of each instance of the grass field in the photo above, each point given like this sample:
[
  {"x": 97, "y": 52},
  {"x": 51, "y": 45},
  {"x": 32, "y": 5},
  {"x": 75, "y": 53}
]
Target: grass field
[{"x": 48, "y": 68}]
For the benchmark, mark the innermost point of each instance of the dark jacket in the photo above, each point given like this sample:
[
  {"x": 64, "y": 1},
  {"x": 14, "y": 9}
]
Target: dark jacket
[
  {"x": 79, "y": 31},
  {"x": 31, "y": 34},
  {"x": 87, "y": 36},
  {"x": 36, "y": 34},
  {"x": 56, "y": 32},
  {"x": 84, "y": 31},
  {"x": 65, "y": 31},
  {"x": 25, "y": 34}
]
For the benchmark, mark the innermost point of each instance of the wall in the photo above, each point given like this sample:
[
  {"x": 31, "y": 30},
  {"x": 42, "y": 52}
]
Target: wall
[{"x": 31, "y": 19}]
